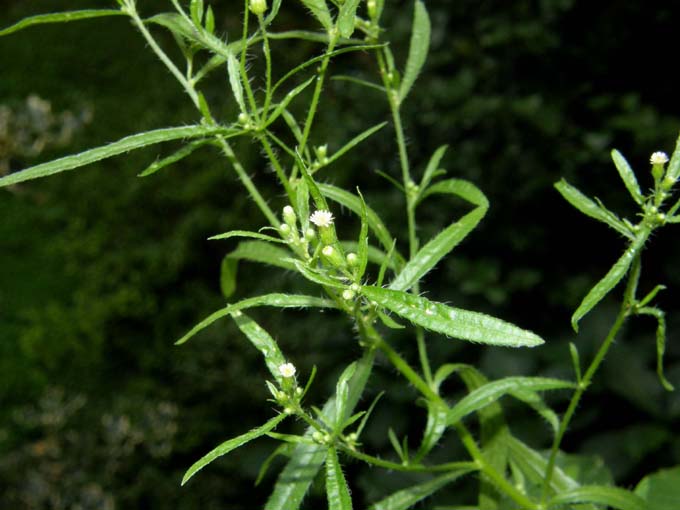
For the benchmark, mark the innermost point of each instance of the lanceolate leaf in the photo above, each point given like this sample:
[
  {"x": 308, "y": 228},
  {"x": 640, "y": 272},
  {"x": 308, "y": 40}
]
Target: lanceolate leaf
[
  {"x": 454, "y": 322},
  {"x": 417, "y": 53},
  {"x": 354, "y": 141},
  {"x": 277, "y": 300},
  {"x": 628, "y": 176},
  {"x": 232, "y": 444},
  {"x": 492, "y": 391},
  {"x": 281, "y": 107},
  {"x": 297, "y": 476},
  {"x": 346, "y": 16},
  {"x": 173, "y": 158},
  {"x": 407, "y": 498},
  {"x": 337, "y": 490},
  {"x": 438, "y": 247},
  {"x": 245, "y": 233},
  {"x": 431, "y": 168},
  {"x": 610, "y": 280},
  {"x": 263, "y": 342},
  {"x": 320, "y": 11},
  {"x": 601, "y": 495},
  {"x": 121, "y": 146},
  {"x": 673, "y": 171},
  {"x": 263, "y": 252},
  {"x": 590, "y": 208},
  {"x": 235, "y": 81},
  {"x": 434, "y": 428},
  {"x": 60, "y": 17}
]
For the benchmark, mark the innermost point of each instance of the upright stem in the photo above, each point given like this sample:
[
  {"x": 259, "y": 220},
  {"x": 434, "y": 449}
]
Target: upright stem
[
  {"x": 624, "y": 311},
  {"x": 268, "y": 66}
]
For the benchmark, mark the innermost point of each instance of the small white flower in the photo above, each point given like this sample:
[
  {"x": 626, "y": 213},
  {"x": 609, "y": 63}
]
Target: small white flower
[
  {"x": 287, "y": 370},
  {"x": 327, "y": 251},
  {"x": 659, "y": 158},
  {"x": 322, "y": 218}
]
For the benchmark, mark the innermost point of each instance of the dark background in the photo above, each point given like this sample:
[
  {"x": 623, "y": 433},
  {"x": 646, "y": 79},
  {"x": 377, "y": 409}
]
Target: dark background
[{"x": 101, "y": 271}]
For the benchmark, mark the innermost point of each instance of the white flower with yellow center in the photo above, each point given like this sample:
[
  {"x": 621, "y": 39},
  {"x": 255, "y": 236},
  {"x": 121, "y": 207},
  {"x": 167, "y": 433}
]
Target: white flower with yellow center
[
  {"x": 322, "y": 218},
  {"x": 287, "y": 370},
  {"x": 659, "y": 158}
]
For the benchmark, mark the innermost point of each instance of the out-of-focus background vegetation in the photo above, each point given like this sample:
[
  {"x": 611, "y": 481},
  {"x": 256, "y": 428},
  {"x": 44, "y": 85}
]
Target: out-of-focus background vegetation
[{"x": 101, "y": 271}]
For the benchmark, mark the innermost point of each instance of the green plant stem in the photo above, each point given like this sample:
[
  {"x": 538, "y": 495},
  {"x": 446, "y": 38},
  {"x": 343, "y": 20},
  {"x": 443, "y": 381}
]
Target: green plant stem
[
  {"x": 242, "y": 67},
  {"x": 317, "y": 92},
  {"x": 396, "y": 466},
  {"x": 188, "y": 88},
  {"x": 624, "y": 312},
  {"x": 468, "y": 441},
  {"x": 268, "y": 65},
  {"x": 280, "y": 173}
]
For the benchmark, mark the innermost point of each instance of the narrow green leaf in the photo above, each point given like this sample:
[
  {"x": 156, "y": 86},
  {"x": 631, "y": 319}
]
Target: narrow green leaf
[
  {"x": 232, "y": 444},
  {"x": 297, "y": 476},
  {"x": 661, "y": 490},
  {"x": 600, "y": 495},
  {"x": 246, "y": 233},
  {"x": 575, "y": 361},
  {"x": 536, "y": 402},
  {"x": 346, "y": 15},
  {"x": 337, "y": 490},
  {"x": 265, "y": 253},
  {"x": 362, "y": 253},
  {"x": 210, "y": 20},
  {"x": 490, "y": 392},
  {"x": 432, "y": 167},
  {"x": 179, "y": 26},
  {"x": 276, "y": 5},
  {"x": 302, "y": 203},
  {"x": 407, "y": 498},
  {"x": 283, "y": 449},
  {"x": 121, "y": 146},
  {"x": 173, "y": 158},
  {"x": 234, "y": 72},
  {"x": 389, "y": 321},
  {"x": 660, "y": 342},
  {"x": 262, "y": 341},
  {"x": 317, "y": 276},
  {"x": 454, "y": 322},
  {"x": 281, "y": 107},
  {"x": 228, "y": 271},
  {"x": 418, "y": 49},
  {"x": 358, "y": 81},
  {"x": 320, "y": 11},
  {"x": 341, "y": 395},
  {"x": 60, "y": 17},
  {"x": 276, "y": 299},
  {"x": 673, "y": 171},
  {"x": 354, "y": 142},
  {"x": 610, "y": 280},
  {"x": 628, "y": 176},
  {"x": 434, "y": 429},
  {"x": 314, "y": 187},
  {"x": 439, "y": 246},
  {"x": 353, "y": 203},
  {"x": 591, "y": 209}
]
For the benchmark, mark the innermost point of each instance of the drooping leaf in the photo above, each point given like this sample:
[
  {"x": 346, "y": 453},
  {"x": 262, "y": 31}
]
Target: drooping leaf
[
  {"x": 661, "y": 490},
  {"x": 297, "y": 476},
  {"x": 438, "y": 247},
  {"x": 627, "y": 176},
  {"x": 660, "y": 342},
  {"x": 337, "y": 490},
  {"x": 346, "y": 15},
  {"x": 232, "y": 444},
  {"x": 126, "y": 144},
  {"x": 173, "y": 158},
  {"x": 418, "y": 49},
  {"x": 320, "y": 11},
  {"x": 492, "y": 391},
  {"x": 610, "y": 280},
  {"x": 60, "y": 17},
  {"x": 435, "y": 426},
  {"x": 591, "y": 209},
  {"x": 276, "y": 5},
  {"x": 317, "y": 276},
  {"x": 276, "y": 299},
  {"x": 246, "y": 233},
  {"x": 407, "y": 498},
  {"x": 614, "y": 497},
  {"x": 454, "y": 322}
]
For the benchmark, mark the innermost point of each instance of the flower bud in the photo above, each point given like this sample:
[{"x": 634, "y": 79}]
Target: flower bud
[
  {"x": 352, "y": 259},
  {"x": 347, "y": 295},
  {"x": 257, "y": 7},
  {"x": 289, "y": 216}
]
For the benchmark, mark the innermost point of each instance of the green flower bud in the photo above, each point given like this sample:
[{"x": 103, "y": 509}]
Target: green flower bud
[
  {"x": 352, "y": 259},
  {"x": 289, "y": 216},
  {"x": 258, "y": 7}
]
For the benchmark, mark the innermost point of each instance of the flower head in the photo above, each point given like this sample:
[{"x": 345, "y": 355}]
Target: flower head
[
  {"x": 658, "y": 158},
  {"x": 322, "y": 218},
  {"x": 287, "y": 370}
]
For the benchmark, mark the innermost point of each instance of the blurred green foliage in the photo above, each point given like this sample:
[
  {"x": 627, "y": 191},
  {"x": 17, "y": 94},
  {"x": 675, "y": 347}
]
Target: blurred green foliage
[{"x": 101, "y": 271}]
